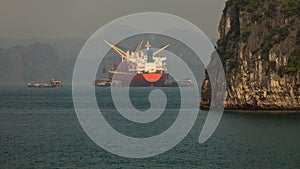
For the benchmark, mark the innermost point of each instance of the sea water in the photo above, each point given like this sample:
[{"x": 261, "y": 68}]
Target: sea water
[{"x": 40, "y": 129}]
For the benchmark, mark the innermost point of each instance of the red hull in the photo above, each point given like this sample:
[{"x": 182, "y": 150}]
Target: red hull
[{"x": 141, "y": 80}]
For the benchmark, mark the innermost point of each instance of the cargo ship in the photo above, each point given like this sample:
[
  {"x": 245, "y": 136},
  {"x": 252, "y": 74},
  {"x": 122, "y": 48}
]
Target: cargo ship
[
  {"x": 52, "y": 84},
  {"x": 139, "y": 68}
]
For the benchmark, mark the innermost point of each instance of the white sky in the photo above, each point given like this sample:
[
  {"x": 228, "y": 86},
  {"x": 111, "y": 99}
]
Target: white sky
[{"x": 81, "y": 18}]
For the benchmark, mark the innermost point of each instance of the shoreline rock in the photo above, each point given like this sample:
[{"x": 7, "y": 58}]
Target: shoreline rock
[{"x": 259, "y": 47}]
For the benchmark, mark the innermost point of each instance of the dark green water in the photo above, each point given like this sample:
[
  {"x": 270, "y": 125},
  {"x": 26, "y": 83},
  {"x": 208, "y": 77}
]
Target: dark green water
[{"x": 39, "y": 129}]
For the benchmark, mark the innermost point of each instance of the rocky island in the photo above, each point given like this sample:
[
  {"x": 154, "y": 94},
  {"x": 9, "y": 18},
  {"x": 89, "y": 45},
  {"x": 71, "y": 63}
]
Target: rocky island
[
  {"x": 259, "y": 47},
  {"x": 36, "y": 62}
]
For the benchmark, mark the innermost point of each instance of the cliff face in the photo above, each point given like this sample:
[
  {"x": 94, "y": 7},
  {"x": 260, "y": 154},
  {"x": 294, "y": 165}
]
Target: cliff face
[{"x": 260, "y": 48}]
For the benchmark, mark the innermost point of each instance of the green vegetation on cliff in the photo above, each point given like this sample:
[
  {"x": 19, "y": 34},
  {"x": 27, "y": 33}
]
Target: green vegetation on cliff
[
  {"x": 263, "y": 12},
  {"x": 291, "y": 8},
  {"x": 260, "y": 47}
]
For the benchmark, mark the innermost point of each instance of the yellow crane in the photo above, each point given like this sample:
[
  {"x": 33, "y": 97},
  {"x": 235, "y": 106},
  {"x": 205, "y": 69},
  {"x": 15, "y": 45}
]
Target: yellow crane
[
  {"x": 161, "y": 49},
  {"x": 126, "y": 54},
  {"x": 123, "y": 54}
]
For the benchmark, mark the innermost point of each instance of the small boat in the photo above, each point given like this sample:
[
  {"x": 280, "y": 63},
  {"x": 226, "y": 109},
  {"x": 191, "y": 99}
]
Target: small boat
[
  {"x": 103, "y": 82},
  {"x": 52, "y": 84}
]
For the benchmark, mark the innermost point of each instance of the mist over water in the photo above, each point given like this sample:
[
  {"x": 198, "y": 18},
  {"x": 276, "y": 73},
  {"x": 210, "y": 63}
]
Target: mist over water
[{"x": 39, "y": 129}]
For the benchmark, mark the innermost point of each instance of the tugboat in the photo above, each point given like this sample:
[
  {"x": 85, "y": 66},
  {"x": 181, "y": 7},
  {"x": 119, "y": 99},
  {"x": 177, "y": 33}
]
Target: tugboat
[
  {"x": 103, "y": 82},
  {"x": 52, "y": 84}
]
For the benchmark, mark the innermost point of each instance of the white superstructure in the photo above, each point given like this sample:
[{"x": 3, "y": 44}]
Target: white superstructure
[{"x": 143, "y": 61}]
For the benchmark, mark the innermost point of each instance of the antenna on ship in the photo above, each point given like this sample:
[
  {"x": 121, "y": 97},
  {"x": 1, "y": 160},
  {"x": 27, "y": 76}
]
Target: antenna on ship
[
  {"x": 149, "y": 52},
  {"x": 148, "y": 46}
]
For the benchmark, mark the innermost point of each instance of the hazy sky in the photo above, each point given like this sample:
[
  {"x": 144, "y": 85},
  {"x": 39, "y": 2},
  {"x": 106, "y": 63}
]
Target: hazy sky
[{"x": 81, "y": 18}]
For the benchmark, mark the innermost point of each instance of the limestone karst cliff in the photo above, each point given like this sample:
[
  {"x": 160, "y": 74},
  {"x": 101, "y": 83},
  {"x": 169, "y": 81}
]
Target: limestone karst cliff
[{"x": 259, "y": 46}]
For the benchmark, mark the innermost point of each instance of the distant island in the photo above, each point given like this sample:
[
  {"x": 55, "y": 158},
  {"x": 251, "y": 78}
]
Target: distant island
[
  {"x": 260, "y": 49},
  {"x": 38, "y": 60}
]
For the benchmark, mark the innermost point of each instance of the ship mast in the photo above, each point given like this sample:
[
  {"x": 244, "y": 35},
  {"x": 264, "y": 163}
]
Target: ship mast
[{"x": 149, "y": 52}]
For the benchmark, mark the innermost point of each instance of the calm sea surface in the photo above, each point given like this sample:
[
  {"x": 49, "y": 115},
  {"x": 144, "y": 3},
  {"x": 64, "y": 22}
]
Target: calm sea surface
[{"x": 39, "y": 129}]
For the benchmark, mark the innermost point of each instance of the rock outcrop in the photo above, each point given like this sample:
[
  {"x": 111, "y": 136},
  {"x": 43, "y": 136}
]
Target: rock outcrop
[{"x": 260, "y": 49}]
